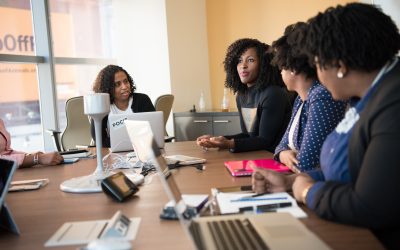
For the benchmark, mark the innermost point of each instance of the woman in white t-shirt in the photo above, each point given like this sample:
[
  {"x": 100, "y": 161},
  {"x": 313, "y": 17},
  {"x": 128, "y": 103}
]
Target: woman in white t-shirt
[{"x": 116, "y": 81}]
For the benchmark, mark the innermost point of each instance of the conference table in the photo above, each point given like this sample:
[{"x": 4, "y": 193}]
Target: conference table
[{"x": 40, "y": 213}]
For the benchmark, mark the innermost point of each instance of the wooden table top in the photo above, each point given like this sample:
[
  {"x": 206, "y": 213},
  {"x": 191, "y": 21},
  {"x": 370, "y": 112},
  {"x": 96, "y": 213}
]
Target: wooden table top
[{"x": 40, "y": 213}]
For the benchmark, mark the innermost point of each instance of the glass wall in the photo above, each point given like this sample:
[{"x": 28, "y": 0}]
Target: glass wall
[
  {"x": 80, "y": 29},
  {"x": 19, "y": 105},
  {"x": 81, "y": 46},
  {"x": 73, "y": 80}
]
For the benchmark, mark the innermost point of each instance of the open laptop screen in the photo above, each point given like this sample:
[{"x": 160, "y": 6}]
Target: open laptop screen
[
  {"x": 146, "y": 149},
  {"x": 119, "y": 139},
  {"x": 7, "y": 169}
]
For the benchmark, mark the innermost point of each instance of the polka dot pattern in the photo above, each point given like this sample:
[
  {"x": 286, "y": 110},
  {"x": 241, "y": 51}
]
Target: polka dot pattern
[{"x": 318, "y": 118}]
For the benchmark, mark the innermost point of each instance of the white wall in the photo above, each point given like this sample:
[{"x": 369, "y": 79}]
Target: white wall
[
  {"x": 140, "y": 35},
  {"x": 163, "y": 45},
  {"x": 142, "y": 45},
  {"x": 390, "y": 7},
  {"x": 188, "y": 51}
]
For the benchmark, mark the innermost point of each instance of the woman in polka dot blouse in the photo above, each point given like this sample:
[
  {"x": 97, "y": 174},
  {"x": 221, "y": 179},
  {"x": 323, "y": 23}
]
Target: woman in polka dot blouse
[{"x": 315, "y": 114}]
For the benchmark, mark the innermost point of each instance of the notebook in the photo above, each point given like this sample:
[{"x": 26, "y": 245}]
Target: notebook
[
  {"x": 243, "y": 168},
  {"x": 7, "y": 169},
  {"x": 119, "y": 139},
  {"x": 242, "y": 231}
]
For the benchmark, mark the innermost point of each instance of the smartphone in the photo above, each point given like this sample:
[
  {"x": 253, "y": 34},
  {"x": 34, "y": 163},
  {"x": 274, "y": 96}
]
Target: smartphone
[
  {"x": 70, "y": 160},
  {"x": 27, "y": 185}
]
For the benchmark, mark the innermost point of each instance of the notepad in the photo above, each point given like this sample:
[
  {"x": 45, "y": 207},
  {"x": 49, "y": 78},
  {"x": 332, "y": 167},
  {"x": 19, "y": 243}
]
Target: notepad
[
  {"x": 83, "y": 232},
  {"x": 231, "y": 203},
  {"x": 244, "y": 167}
]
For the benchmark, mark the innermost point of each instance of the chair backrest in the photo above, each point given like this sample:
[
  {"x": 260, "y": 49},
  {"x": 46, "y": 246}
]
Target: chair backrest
[
  {"x": 77, "y": 131},
  {"x": 164, "y": 103}
]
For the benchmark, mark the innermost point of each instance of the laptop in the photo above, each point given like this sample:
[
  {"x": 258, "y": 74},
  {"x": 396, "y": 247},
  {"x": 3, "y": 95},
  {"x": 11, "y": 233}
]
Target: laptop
[
  {"x": 7, "y": 169},
  {"x": 143, "y": 144},
  {"x": 241, "y": 231},
  {"x": 119, "y": 140}
]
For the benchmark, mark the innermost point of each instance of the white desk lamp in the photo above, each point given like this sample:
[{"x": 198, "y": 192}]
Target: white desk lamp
[{"x": 97, "y": 106}]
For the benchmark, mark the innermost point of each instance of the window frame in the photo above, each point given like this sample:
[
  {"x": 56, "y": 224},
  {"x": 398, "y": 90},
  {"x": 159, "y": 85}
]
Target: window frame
[{"x": 45, "y": 61}]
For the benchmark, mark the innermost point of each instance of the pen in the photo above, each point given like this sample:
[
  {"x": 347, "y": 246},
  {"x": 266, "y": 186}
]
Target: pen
[
  {"x": 258, "y": 199},
  {"x": 207, "y": 206}
]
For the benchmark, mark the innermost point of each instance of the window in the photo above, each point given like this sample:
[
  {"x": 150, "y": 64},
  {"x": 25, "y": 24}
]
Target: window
[
  {"x": 73, "y": 80},
  {"x": 81, "y": 33},
  {"x": 16, "y": 32},
  {"x": 81, "y": 29},
  {"x": 81, "y": 46},
  {"x": 19, "y": 105}
]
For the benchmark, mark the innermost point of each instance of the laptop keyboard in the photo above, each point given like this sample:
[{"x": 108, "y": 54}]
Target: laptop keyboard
[{"x": 235, "y": 234}]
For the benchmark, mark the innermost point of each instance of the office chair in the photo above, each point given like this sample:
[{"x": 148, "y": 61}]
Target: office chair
[
  {"x": 77, "y": 131},
  {"x": 164, "y": 103}
]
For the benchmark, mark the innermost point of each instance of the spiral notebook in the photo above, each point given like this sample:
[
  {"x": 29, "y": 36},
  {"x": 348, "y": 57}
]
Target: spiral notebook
[{"x": 244, "y": 167}]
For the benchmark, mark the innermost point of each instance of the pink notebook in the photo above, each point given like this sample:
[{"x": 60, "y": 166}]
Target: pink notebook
[{"x": 243, "y": 168}]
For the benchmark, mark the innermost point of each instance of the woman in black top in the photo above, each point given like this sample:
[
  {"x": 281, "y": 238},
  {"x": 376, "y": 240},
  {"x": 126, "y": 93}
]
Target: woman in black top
[
  {"x": 262, "y": 100},
  {"x": 115, "y": 81}
]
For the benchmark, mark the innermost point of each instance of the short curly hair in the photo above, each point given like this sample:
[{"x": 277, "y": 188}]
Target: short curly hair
[
  {"x": 268, "y": 75},
  {"x": 288, "y": 53},
  {"x": 104, "y": 82},
  {"x": 360, "y": 35}
]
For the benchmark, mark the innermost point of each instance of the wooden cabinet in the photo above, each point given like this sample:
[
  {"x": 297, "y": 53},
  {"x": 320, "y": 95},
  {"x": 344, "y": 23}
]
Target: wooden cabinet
[{"x": 190, "y": 125}]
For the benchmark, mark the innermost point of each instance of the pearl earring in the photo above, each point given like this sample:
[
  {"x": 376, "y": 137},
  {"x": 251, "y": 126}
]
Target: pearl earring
[
  {"x": 339, "y": 74},
  {"x": 292, "y": 73}
]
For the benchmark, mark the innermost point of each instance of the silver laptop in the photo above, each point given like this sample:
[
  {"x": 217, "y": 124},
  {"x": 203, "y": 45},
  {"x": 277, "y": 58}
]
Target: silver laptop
[
  {"x": 119, "y": 140},
  {"x": 242, "y": 231},
  {"x": 7, "y": 169}
]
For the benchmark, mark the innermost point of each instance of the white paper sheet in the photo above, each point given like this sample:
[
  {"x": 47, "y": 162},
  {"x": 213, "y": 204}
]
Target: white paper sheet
[
  {"x": 83, "y": 232},
  {"x": 191, "y": 200},
  {"x": 231, "y": 202}
]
